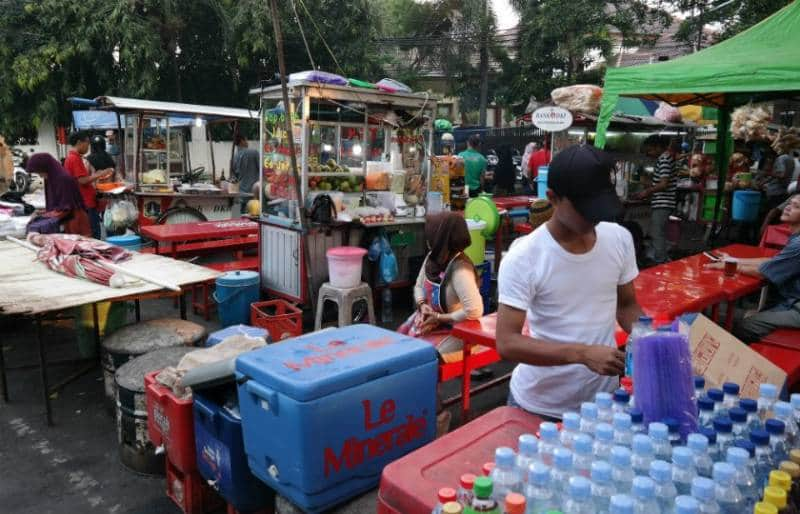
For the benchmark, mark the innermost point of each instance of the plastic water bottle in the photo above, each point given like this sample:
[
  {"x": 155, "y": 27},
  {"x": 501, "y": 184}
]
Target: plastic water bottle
[
  {"x": 674, "y": 431},
  {"x": 703, "y": 464},
  {"x": 777, "y": 440},
  {"x": 603, "y": 442},
  {"x": 528, "y": 446},
  {"x": 637, "y": 421},
  {"x": 767, "y": 394},
  {"x": 627, "y": 384},
  {"x": 724, "y": 429},
  {"x": 705, "y": 408},
  {"x": 659, "y": 436},
  {"x": 505, "y": 478},
  {"x": 483, "y": 500},
  {"x": 699, "y": 387},
  {"x": 644, "y": 496},
  {"x": 764, "y": 462},
  {"x": 386, "y": 306},
  {"x": 750, "y": 406},
  {"x": 739, "y": 419},
  {"x": 730, "y": 397},
  {"x": 793, "y": 470},
  {"x": 620, "y": 504},
  {"x": 445, "y": 495},
  {"x": 784, "y": 412},
  {"x": 686, "y": 505},
  {"x": 562, "y": 470},
  {"x": 588, "y": 418},
  {"x": 683, "y": 470},
  {"x": 639, "y": 329},
  {"x": 666, "y": 492},
  {"x": 744, "y": 479},
  {"x": 548, "y": 442},
  {"x": 777, "y": 498},
  {"x": 728, "y": 495},
  {"x": 780, "y": 479},
  {"x": 703, "y": 490},
  {"x": 582, "y": 455},
  {"x": 602, "y": 486},
  {"x": 452, "y": 508},
  {"x": 713, "y": 449},
  {"x": 514, "y": 504},
  {"x": 579, "y": 497},
  {"x": 621, "y": 470},
  {"x": 570, "y": 427},
  {"x": 795, "y": 402},
  {"x": 642, "y": 454},
  {"x": 716, "y": 396},
  {"x": 539, "y": 495},
  {"x": 623, "y": 429},
  {"x": 487, "y": 468},
  {"x": 465, "y": 494},
  {"x": 605, "y": 406},
  {"x": 622, "y": 401},
  {"x": 750, "y": 448}
]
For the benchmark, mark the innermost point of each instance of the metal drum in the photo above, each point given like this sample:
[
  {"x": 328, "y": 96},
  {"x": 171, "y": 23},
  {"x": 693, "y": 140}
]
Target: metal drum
[
  {"x": 133, "y": 340},
  {"x": 135, "y": 449}
]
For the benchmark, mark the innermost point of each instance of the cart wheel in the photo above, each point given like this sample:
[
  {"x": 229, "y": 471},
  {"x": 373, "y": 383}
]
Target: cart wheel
[{"x": 181, "y": 215}]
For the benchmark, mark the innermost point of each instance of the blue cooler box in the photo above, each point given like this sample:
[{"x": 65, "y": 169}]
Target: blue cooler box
[
  {"x": 324, "y": 413},
  {"x": 220, "y": 452},
  {"x": 217, "y": 337}
]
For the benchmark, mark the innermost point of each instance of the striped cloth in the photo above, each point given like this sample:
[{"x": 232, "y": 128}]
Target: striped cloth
[{"x": 665, "y": 169}]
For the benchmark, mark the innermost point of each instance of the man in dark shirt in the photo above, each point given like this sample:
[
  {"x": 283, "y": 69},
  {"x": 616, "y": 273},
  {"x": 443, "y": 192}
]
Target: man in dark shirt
[
  {"x": 246, "y": 167},
  {"x": 783, "y": 274},
  {"x": 661, "y": 193}
]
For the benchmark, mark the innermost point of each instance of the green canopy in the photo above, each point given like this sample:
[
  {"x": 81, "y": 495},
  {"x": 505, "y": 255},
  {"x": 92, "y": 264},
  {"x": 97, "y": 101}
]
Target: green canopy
[{"x": 756, "y": 64}]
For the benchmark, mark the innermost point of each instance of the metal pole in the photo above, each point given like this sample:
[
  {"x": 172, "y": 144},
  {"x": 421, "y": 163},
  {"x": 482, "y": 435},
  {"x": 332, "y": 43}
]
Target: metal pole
[{"x": 43, "y": 369}]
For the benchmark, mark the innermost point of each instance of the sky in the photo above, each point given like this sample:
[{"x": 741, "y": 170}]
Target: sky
[{"x": 506, "y": 16}]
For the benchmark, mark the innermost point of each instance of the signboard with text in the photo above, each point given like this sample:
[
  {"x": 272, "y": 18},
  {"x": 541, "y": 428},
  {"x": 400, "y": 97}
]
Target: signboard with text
[{"x": 552, "y": 119}]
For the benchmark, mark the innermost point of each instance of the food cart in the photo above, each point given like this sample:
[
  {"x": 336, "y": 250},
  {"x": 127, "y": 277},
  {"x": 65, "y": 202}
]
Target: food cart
[
  {"x": 156, "y": 158},
  {"x": 368, "y": 150}
]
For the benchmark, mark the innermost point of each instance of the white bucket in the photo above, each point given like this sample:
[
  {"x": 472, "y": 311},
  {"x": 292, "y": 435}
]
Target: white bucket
[{"x": 344, "y": 266}]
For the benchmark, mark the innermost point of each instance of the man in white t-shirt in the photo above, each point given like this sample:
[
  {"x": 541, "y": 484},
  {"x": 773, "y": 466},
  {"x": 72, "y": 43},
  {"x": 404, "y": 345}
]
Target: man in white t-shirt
[{"x": 571, "y": 279}]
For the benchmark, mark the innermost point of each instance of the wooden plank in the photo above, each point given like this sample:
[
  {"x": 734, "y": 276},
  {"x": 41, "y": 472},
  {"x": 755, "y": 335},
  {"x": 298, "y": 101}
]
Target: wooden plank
[{"x": 29, "y": 287}]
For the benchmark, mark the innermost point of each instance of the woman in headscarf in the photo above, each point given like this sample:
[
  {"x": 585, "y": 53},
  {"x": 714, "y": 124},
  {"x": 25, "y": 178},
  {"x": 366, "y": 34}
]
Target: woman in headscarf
[
  {"x": 63, "y": 199},
  {"x": 505, "y": 174},
  {"x": 447, "y": 290}
]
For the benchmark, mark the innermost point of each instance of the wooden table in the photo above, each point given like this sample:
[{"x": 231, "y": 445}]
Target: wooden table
[{"x": 200, "y": 231}]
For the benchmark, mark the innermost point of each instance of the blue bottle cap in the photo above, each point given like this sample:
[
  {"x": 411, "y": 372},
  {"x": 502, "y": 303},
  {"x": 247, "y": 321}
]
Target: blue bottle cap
[
  {"x": 645, "y": 319},
  {"x": 738, "y": 415},
  {"x": 582, "y": 444},
  {"x": 660, "y": 471},
  {"x": 710, "y": 434},
  {"x": 562, "y": 459},
  {"x": 642, "y": 444},
  {"x": 737, "y": 457},
  {"x": 730, "y": 388},
  {"x": 723, "y": 472},
  {"x": 723, "y": 425},
  {"x": 580, "y": 488},
  {"x": 622, "y": 421},
  {"x": 795, "y": 400},
  {"x": 601, "y": 472},
  {"x": 603, "y": 400},
  {"x": 643, "y": 488},
  {"x": 747, "y": 446},
  {"x": 589, "y": 411},
  {"x": 705, "y": 404},
  {"x": 768, "y": 391},
  {"x": 539, "y": 474},
  {"x": 748, "y": 404},
  {"x": 697, "y": 443},
  {"x": 775, "y": 426},
  {"x": 703, "y": 488},
  {"x": 571, "y": 421},
  {"x": 759, "y": 437},
  {"x": 528, "y": 444},
  {"x": 658, "y": 431},
  {"x": 622, "y": 396},
  {"x": 504, "y": 457},
  {"x": 699, "y": 382},
  {"x": 672, "y": 425},
  {"x": 548, "y": 431},
  {"x": 621, "y": 504},
  {"x": 636, "y": 415},
  {"x": 682, "y": 456},
  {"x": 783, "y": 410},
  {"x": 686, "y": 505},
  {"x": 715, "y": 394},
  {"x": 620, "y": 457},
  {"x": 604, "y": 432}
]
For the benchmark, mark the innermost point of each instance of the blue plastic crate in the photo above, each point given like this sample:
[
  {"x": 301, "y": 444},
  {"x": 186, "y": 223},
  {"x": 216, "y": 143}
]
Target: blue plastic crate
[
  {"x": 220, "y": 452},
  {"x": 217, "y": 337},
  {"x": 324, "y": 413}
]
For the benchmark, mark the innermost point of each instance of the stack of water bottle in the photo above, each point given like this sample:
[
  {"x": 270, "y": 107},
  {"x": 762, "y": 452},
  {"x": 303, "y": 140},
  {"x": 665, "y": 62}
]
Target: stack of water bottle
[{"x": 603, "y": 460}]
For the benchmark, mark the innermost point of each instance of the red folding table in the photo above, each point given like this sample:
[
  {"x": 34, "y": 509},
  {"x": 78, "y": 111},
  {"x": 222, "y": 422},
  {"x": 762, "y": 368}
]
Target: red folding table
[
  {"x": 243, "y": 229},
  {"x": 659, "y": 297}
]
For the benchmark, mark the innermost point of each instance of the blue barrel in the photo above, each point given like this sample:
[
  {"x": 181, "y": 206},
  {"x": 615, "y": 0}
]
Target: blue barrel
[
  {"x": 130, "y": 242},
  {"x": 541, "y": 182},
  {"x": 746, "y": 205},
  {"x": 235, "y": 291}
]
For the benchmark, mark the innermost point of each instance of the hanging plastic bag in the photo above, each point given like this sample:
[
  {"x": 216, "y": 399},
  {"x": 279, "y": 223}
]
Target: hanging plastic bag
[
  {"x": 375, "y": 249},
  {"x": 388, "y": 263}
]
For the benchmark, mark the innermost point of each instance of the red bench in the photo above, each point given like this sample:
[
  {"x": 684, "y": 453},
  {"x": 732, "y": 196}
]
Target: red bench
[
  {"x": 204, "y": 247},
  {"x": 786, "y": 359},
  {"x": 201, "y": 293},
  {"x": 786, "y": 337}
]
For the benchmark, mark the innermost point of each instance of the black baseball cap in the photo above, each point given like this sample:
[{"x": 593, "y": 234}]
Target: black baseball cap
[{"x": 582, "y": 173}]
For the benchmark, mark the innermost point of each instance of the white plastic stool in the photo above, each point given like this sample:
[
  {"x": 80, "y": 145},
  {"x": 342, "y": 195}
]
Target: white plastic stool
[{"x": 344, "y": 299}]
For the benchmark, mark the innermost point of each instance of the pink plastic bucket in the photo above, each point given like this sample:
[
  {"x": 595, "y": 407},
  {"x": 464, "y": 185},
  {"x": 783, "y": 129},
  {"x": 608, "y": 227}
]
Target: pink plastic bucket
[{"x": 344, "y": 266}]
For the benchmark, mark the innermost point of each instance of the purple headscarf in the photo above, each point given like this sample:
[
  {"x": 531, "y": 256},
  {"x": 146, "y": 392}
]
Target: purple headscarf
[{"x": 60, "y": 188}]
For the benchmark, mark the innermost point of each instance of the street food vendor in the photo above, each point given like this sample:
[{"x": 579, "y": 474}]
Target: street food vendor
[{"x": 571, "y": 280}]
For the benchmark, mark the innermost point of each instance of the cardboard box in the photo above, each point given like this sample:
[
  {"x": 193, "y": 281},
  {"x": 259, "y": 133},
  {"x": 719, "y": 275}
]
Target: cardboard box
[{"x": 720, "y": 357}]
